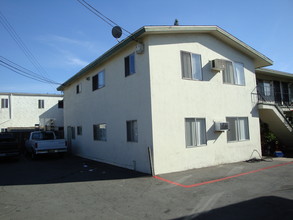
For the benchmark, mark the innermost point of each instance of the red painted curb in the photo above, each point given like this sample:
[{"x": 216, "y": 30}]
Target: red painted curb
[{"x": 221, "y": 179}]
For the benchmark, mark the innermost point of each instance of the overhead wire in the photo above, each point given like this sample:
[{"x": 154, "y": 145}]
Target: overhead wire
[
  {"x": 104, "y": 17},
  {"x": 24, "y": 48},
  {"x": 24, "y": 72}
]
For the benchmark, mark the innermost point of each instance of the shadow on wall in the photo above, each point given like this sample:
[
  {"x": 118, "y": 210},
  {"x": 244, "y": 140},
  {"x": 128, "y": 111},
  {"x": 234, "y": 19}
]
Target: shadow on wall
[
  {"x": 268, "y": 208},
  {"x": 54, "y": 113},
  {"x": 213, "y": 135}
]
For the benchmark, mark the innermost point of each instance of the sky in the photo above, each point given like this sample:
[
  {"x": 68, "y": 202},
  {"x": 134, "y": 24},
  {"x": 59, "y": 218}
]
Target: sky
[{"x": 62, "y": 36}]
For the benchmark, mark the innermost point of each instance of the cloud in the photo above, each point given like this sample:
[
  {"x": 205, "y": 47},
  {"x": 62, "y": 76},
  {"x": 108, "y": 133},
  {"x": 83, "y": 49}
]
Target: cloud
[
  {"x": 76, "y": 61},
  {"x": 74, "y": 43}
]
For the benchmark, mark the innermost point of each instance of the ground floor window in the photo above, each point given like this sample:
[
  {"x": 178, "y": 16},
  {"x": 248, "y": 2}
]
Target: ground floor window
[
  {"x": 131, "y": 130},
  {"x": 238, "y": 129},
  {"x": 100, "y": 132},
  {"x": 195, "y": 132},
  {"x": 79, "y": 130}
]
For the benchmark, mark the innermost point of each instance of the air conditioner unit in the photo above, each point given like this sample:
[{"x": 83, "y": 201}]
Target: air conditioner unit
[
  {"x": 221, "y": 126},
  {"x": 218, "y": 64}
]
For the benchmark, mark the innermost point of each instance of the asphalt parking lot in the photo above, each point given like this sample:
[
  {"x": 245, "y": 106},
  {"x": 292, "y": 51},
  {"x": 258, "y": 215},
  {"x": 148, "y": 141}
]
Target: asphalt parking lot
[{"x": 76, "y": 188}]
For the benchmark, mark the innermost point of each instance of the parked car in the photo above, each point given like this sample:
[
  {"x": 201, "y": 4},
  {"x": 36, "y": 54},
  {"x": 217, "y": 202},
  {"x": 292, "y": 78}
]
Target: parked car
[
  {"x": 8, "y": 146},
  {"x": 44, "y": 142}
]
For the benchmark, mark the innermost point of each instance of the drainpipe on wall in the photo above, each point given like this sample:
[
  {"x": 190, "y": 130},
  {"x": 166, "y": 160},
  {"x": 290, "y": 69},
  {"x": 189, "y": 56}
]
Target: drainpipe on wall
[{"x": 10, "y": 106}]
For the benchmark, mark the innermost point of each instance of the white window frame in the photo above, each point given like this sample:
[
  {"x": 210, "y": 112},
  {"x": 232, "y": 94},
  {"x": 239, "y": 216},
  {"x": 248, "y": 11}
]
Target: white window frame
[
  {"x": 192, "y": 70},
  {"x": 195, "y": 132},
  {"x": 240, "y": 128},
  {"x": 234, "y": 73}
]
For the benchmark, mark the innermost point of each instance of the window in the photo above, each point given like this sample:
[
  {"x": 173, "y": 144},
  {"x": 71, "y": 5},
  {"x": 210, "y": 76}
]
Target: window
[
  {"x": 239, "y": 130},
  {"x": 233, "y": 73},
  {"x": 195, "y": 132},
  {"x": 129, "y": 65},
  {"x": 267, "y": 88},
  {"x": 78, "y": 88},
  {"x": 41, "y": 103},
  {"x": 100, "y": 132},
  {"x": 60, "y": 104},
  {"x": 191, "y": 66},
  {"x": 79, "y": 130},
  {"x": 4, "y": 103},
  {"x": 131, "y": 130},
  {"x": 99, "y": 80}
]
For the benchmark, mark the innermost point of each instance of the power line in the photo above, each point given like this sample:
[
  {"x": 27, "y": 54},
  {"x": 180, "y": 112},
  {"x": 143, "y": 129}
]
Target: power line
[
  {"x": 24, "y": 72},
  {"x": 23, "y": 47},
  {"x": 102, "y": 16}
]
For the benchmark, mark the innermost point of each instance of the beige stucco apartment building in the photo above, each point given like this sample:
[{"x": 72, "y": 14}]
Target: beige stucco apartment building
[{"x": 166, "y": 99}]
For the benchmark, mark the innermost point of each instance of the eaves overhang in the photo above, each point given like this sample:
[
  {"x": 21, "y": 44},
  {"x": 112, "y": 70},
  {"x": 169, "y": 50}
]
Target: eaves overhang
[
  {"x": 259, "y": 59},
  {"x": 273, "y": 73}
]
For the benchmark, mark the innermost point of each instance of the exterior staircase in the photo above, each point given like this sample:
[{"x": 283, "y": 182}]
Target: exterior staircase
[{"x": 277, "y": 116}]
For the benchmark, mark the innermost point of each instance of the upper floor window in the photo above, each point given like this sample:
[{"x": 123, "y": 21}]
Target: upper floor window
[
  {"x": 78, "y": 88},
  {"x": 129, "y": 63},
  {"x": 195, "y": 132},
  {"x": 238, "y": 129},
  {"x": 60, "y": 104},
  {"x": 41, "y": 103},
  {"x": 4, "y": 103},
  {"x": 233, "y": 73},
  {"x": 99, "y": 80},
  {"x": 191, "y": 66}
]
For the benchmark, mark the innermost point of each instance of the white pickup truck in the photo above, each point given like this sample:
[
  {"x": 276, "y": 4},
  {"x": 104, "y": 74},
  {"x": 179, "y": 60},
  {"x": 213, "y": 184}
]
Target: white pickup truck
[{"x": 44, "y": 142}]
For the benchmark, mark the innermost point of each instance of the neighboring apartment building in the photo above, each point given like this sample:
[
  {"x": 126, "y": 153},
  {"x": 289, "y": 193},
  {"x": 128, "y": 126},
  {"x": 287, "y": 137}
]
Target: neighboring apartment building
[
  {"x": 275, "y": 103},
  {"x": 153, "y": 102},
  {"x": 23, "y": 111}
]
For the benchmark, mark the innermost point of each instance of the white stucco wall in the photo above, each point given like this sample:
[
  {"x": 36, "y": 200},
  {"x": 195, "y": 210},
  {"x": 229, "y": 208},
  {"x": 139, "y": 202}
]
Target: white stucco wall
[
  {"x": 160, "y": 100},
  {"x": 122, "y": 99},
  {"x": 174, "y": 99},
  {"x": 23, "y": 110}
]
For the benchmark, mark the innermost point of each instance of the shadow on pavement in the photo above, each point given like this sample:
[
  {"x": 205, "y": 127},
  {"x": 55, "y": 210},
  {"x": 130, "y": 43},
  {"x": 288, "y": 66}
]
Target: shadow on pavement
[
  {"x": 268, "y": 208},
  {"x": 53, "y": 169}
]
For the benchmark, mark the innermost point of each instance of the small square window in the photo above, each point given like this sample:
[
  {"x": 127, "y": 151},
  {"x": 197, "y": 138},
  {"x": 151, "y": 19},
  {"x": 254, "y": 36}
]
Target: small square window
[
  {"x": 100, "y": 132},
  {"x": 132, "y": 131},
  {"x": 129, "y": 63},
  {"x": 41, "y": 103},
  {"x": 4, "y": 103}
]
